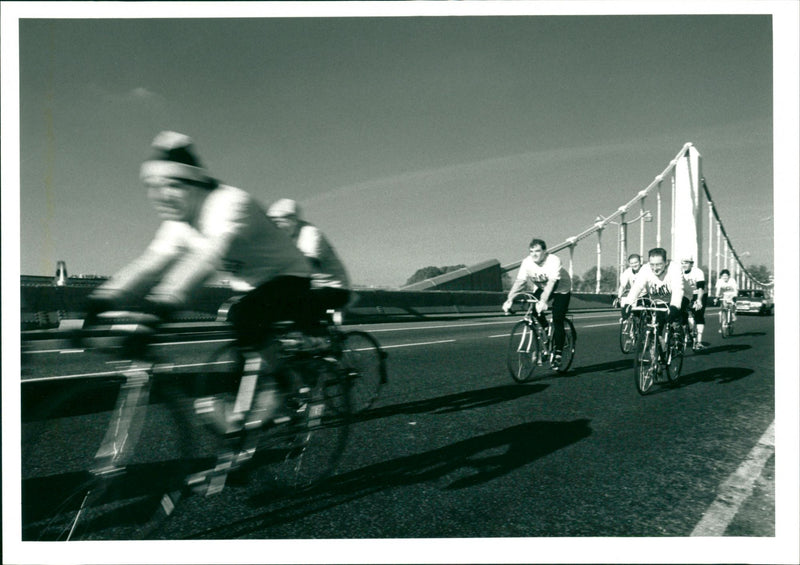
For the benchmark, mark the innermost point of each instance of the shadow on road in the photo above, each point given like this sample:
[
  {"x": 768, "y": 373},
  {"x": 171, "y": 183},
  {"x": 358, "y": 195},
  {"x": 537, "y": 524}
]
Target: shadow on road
[
  {"x": 732, "y": 348},
  {"x": 454, "y": 402},
  {"x": 461, "y": 465},
  {"x": 722, "y": 375},
  {"x": 625, "y": 364},
  {"x": 747, "y": 334}
]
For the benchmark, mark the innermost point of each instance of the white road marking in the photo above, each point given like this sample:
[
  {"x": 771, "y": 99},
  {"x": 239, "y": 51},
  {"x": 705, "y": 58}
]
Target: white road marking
[
  {"x": 417, "y": 344},
  {"x": 111, "y": 373},
  {"x": 169, "y": 344},
  {"x": 736, "y": 488},
  {"x": 600, "y": 325}
]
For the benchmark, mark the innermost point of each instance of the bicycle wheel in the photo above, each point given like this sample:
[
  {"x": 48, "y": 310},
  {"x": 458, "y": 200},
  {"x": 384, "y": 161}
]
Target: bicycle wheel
[
  {"x": 70, "y": 491},
  {"x": 723, "y": 325},
  {"x": 365, "y": 363},
  {"x": 308, "y": 449},
  {"x": 568, "y": 351},
  {"x": 627, "y": 336},
  {"x": 523, "y": 351},
  {"x": 645, "y": 364},
  {"x": 675, "y": 350}
]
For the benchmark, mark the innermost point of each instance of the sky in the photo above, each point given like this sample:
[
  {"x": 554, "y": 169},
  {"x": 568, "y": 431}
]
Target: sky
[{"x": 410, "y": 141}]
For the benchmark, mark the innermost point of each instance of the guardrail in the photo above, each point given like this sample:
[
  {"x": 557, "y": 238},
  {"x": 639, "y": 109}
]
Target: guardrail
[{"x": 44, "y": 305}]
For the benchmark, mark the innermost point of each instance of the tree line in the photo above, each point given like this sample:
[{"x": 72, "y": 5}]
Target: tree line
[{"x": 581, "y": 283}]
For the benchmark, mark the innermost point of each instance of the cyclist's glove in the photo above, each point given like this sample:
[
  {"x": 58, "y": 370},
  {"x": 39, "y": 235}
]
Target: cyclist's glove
[{"x": 674, "y": 314}]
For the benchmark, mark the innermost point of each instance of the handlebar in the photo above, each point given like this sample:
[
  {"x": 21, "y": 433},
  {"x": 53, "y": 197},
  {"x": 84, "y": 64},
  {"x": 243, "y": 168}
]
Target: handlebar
[
  {"x": 527, "y": 297},
  {"x": 645, "y": 304}
]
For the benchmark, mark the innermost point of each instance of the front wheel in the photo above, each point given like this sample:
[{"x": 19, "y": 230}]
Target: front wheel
[
  {"x": 724, "y": 324},
  {"x": 645, "y": 365},
  {"x": 675, "y": 350},
  {"x": 70, "y": 492},
  {"x": 523, "y": 351},
  {"x": 365, "y": 364}
]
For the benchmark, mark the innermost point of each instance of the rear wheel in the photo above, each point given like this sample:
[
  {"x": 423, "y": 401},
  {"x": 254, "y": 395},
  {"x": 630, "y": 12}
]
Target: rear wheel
[
  {"x": 523, "y": 351},
  {"x": 71, "y": 492},
  {"x": 307, "y": 450},
  {"x": 645, "y": 364},
  {"x": 568, "y": 351},
  {"x": 365, "y": 363}
]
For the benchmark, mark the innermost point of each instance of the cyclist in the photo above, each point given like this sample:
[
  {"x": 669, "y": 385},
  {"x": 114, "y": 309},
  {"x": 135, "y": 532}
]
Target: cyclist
[
  {"x": 661, "y": 279},
  {"x": 209, "y": 227},
  {"x": 329, "y": 282},
  {"x": 694, "y": 285},
  {"x": 727, "y": 290},
  {"x": 628, "y": 275},
  {"x": 543, "y": 274}
]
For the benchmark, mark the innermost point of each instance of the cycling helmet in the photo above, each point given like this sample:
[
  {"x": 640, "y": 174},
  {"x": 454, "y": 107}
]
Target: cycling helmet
[
  {"x": 284, "y": 207},
  {"x": 687, "y": 258}
]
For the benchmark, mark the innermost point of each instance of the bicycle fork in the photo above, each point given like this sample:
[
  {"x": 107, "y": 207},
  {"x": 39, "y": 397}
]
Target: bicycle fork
[{"x": 126, "y": 423}]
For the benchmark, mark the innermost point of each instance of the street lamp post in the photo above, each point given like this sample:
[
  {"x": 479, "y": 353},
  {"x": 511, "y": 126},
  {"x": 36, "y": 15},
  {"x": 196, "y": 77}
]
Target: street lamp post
[{"x": 622, "y": 248}]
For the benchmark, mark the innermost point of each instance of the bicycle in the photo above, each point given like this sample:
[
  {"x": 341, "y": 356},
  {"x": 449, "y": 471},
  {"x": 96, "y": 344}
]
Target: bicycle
[
  {"x": 658, "y": 351},
  {"x": 133, "y": 443},
  {"x": 629, "y": 330},
  {"x": 726, "y": 310},
  {"x": 530, "y": 345}
]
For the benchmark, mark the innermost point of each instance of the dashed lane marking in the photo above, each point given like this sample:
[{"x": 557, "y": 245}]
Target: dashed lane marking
[
  {"x": 417, "y": 344},
  {"x": 736, "y": 488}
]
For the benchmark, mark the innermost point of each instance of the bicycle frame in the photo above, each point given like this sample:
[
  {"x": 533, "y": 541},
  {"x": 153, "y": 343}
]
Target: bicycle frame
[{"x": 656, "y": 350}]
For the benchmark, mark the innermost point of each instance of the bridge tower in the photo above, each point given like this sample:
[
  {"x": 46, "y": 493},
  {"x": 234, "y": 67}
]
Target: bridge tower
[{"x": 687, "y": 207}]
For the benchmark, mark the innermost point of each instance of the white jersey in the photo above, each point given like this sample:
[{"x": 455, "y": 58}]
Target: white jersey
[
  {"x": 329, "y": 272},
  {"x": 232, "y": 234},
  {"x": 667, "y": 287},
  {"x": 533, "y": 276},
  {"x": 626, "y": 280},
  {"x": 727, "y": 290},
  {"x": 690, "y": 280}
]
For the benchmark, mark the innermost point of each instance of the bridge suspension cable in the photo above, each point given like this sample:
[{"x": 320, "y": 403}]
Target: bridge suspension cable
[
  {"x": 729, "y": 245},
  {"x": 656, "y": 186}
]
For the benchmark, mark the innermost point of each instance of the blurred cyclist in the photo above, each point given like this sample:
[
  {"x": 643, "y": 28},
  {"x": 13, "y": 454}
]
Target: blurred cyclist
[
  {"x": 330, "y": 283},
  {"x": 209, "y": 227},
  {"x": 694, "y": 285},
  {"x": 543, "y": 274}
]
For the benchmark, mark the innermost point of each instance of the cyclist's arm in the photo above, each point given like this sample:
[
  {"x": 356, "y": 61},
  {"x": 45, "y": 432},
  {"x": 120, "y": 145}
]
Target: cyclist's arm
[
  {"x": 223, "y": 219},
  {"x": 141, "y": 274},
  {"x": 547, "y": 291},
  {"x": 701, "y": 291},
  {"x": 636, "y": 289},
  {"x": 676, "y": 286},
  {"x": 516, "y": 288}
]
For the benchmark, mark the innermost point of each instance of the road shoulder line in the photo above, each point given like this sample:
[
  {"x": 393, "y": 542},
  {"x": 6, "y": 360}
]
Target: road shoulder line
[{"x": 736, "y": 488}]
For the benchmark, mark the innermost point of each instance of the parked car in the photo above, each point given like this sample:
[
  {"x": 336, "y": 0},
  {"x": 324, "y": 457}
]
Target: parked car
[{"x": 754, "y": 301}]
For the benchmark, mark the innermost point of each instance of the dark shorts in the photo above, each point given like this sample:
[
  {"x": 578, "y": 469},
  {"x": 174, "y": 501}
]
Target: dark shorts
[
  {"x": 282, "y": 298},
  {"x": 699, "y": 315}
]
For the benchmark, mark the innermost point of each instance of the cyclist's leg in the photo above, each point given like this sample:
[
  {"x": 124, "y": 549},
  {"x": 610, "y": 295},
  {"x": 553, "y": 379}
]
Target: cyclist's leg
[
  {"x": 560, "y": 306},
  {"x": 700, "y": 323},
  {"x": 253, "y": 317}
]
